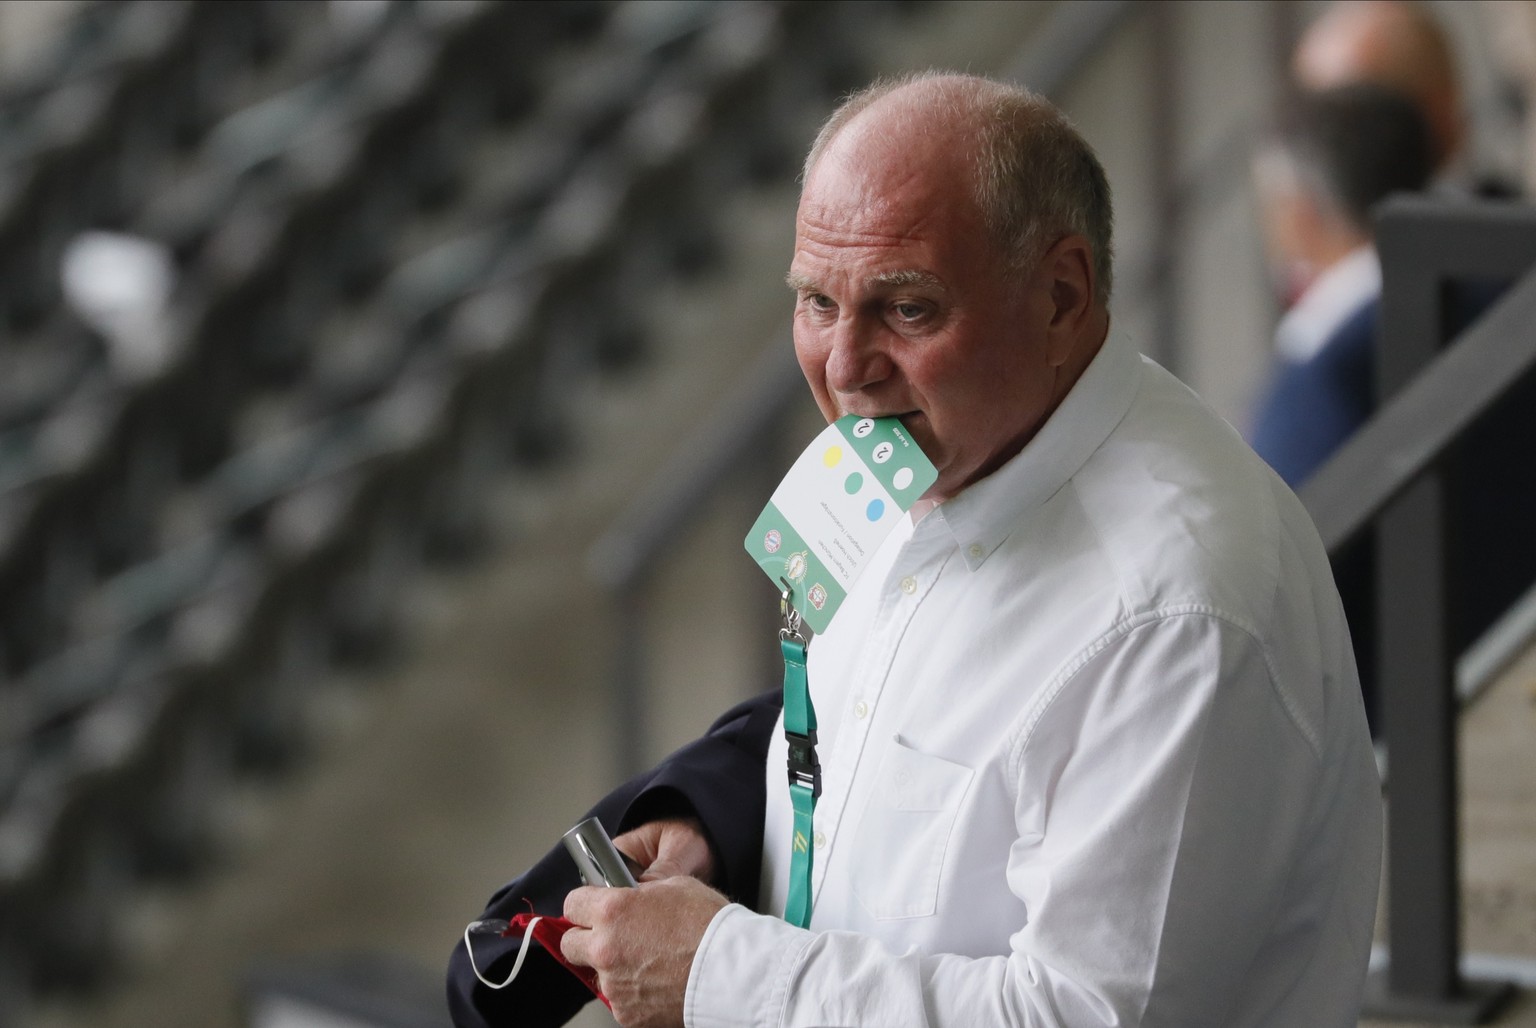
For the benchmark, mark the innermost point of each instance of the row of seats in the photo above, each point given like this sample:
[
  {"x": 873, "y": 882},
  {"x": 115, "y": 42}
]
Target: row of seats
[
  {"x": 92, "y": 148},
  {"x": 369, "y": 326},
  {"x": 245, "y": 304}
]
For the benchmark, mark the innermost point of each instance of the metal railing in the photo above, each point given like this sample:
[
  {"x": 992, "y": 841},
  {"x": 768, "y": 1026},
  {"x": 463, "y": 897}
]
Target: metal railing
[{"x": 1394, "y": 475}]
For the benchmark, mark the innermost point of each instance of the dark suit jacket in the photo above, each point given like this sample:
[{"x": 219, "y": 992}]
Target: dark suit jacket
[{"x": 718, "y": 778}]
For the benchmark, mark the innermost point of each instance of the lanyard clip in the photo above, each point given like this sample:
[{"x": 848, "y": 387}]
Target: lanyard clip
[
  {"x": 789, "y": 616},
  {"x": 804, "y": 768}
]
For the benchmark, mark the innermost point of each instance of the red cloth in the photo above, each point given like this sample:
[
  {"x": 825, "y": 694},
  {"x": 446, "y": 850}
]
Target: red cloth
[{"x": 547, "y": 932}]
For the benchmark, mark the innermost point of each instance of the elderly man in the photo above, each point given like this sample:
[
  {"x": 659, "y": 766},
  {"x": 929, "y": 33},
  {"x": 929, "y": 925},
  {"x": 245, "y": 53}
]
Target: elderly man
[{"x": 1093, "y": 749}]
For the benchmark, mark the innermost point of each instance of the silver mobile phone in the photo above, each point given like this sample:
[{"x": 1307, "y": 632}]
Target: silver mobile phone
[{"x": 598, "y": 860}]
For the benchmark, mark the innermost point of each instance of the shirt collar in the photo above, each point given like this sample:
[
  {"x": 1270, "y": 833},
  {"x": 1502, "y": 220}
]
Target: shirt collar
[
  {"x": 984, "y": 514},
  {"x": 1328, "y": 302}
]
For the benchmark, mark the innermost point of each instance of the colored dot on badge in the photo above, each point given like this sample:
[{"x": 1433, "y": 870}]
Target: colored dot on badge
[
  {"x": 833, "y": 456},
  {"x": 875, "y": 510},
  {"x": 902, "y": 478},
  {"x": 853, "y": 483}
]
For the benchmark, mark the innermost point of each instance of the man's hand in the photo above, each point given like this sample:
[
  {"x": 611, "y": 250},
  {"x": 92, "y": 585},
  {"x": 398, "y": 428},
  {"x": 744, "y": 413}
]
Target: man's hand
[
  {"x": 641, "y": 942},
  {"x": 663, "y": 849}
]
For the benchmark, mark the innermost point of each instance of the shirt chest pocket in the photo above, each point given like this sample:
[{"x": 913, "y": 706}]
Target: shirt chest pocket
[{"x": 905, "y": 831}]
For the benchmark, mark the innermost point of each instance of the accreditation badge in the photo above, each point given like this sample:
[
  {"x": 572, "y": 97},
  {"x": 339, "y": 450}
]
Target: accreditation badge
[{"x": 834, "y": 508}]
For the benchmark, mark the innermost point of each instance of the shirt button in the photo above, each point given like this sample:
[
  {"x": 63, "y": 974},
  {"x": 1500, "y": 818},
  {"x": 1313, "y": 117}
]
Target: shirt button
[
  {"x": 976, "y": 551},
  {"x": 819, "y": 840},
  {"x": 861, "y": 710},
  {"x": 909, "y": 585}
]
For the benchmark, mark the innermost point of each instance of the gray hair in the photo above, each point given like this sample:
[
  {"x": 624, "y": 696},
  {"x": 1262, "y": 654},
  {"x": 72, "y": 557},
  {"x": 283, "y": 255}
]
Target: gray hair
[{"x": 1036, "y": 179}]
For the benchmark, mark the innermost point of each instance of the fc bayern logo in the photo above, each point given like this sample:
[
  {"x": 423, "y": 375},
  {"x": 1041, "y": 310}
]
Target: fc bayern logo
[{"x": 773, "y": 540}]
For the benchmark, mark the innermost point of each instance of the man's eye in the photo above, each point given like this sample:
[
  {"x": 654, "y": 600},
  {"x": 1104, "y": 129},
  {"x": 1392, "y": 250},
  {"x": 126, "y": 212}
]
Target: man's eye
[
  {"x": 820, "y": 301},
  {"x": 909, "y": 311}
]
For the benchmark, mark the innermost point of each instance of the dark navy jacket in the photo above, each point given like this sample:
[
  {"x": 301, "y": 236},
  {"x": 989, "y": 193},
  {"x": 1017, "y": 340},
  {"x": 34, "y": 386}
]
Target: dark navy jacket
[{"x": 718, "y": 778}]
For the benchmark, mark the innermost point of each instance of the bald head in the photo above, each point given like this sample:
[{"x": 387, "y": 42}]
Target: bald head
[
  {"x": 1390, "y": 43},
  {"x": 1013, "y": 156}
]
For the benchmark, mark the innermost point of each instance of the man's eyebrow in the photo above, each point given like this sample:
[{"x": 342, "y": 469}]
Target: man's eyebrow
[
  {"x": 906, "y": 277},
  {"x": 885, "y": 280}
]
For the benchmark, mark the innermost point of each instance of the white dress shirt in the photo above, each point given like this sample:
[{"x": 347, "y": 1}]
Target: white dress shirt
[{"x": 1094, "y": 754}]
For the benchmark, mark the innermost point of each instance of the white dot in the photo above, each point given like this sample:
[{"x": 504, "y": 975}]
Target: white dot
[{"x": 903, "y": 478}]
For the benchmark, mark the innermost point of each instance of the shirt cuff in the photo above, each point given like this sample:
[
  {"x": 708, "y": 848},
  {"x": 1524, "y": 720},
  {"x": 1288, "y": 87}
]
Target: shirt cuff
[{"x": 741, "y": 973}]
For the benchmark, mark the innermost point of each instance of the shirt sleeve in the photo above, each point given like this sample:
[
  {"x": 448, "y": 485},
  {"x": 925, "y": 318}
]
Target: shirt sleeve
[{"x": 1162, "y": 799}]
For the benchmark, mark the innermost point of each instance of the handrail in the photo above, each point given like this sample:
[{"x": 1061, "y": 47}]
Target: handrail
[
  {"x": 1405, "y": 437},
  {"x": 1415, "y": 428},
  {"x": 1471, "y": 241}
]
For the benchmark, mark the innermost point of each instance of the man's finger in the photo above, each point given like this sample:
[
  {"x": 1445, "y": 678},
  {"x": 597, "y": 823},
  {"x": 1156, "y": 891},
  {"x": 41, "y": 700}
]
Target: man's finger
[
  {"x": 583, "y": 905},
  {"x": 575, "y": 945},
  {"x": 672, "y": 848},
  {"x": 639, "y": 844},
  {"x": 663, "y": 868}
]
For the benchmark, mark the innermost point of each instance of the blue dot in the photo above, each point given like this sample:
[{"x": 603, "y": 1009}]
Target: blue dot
[{"x": 875, "y": 510}]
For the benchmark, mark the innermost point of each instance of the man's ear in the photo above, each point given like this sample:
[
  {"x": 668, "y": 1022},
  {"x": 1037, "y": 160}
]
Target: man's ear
[{"x": 1069, "y": 278}]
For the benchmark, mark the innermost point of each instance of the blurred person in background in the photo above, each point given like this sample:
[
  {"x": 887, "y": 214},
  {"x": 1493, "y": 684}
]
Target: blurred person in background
[
  {"x": 1113, "y": 767},
  {"x": 1376, "y": 109},
  {"x": 1363, "y": 70},
  {"x": 1332, "y": 156}
]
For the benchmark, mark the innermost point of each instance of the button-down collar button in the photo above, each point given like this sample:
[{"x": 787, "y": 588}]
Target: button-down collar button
[
  {"x": 976, "y": 551},
  {"x": 909, "y": 585},
  {"x": 861, "y": 710},
  {"x": 819, "y": 840}
]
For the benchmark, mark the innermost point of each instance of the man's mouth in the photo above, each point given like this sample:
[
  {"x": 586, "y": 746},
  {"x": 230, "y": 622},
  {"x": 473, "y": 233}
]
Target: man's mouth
[{"x": 901, "y": 416}]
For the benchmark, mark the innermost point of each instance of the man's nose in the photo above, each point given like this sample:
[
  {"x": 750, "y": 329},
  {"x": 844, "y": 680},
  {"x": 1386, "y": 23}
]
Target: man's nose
[{"x": 857, "y": 359}]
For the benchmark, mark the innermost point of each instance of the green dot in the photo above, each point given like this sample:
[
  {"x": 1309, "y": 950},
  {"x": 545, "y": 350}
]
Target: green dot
[{"x": 853, "y": 483}]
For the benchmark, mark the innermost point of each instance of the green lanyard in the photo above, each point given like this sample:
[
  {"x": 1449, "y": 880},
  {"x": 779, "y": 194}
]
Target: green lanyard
[{"x": 804, "y": 771}]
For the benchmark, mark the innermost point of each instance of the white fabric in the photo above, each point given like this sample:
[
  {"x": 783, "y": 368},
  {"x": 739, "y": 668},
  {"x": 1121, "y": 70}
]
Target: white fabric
[
  {"x": 1094, "y": 754},
  {"x": 1328, "y": 302}
]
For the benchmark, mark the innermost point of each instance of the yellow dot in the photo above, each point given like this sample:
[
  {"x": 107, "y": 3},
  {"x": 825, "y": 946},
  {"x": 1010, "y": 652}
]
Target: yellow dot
[{"x": 833, "y": 455}]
